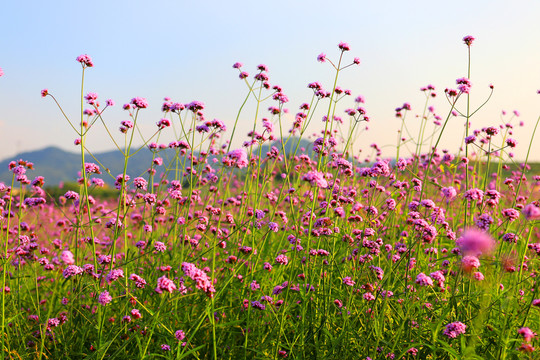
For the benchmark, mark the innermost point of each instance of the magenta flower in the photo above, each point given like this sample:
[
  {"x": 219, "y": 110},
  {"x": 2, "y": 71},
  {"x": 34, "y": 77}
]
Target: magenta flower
[
  {"x": 468, "y": 40},
  {"x": 159, "y": 246},
  {"x": 282, "y": 259},
  {"x": 469, "y": 263},
  {"x": 238, "y": 157},
  {"x": 424, "y": 280},
  {"x": 104, "y": 298},
  {"x": 67, "y": 257},
  {"x": 139, "y": 103},
  {"x": 316, "y": 178},
  {"x": 475, "y": 242},
  {"x": 202, "y": 280},
  {"x": 139, "y": 281},
  {"x": 347, "y": 280},
  {"x": 165, "y": 284},
  {"x": 343, "y": 46},
  {"x": 531, "y": 212},
  {"x": 321, "y": 57},
  {"x": 180, "y": 335},
  {"x": 454, "y": 329},
  {"x": 85, "y": 60},
  {"x": 71, "y": 271},
  {"x": 114, "y": 275},
  {"x": 527, "y": 333}
]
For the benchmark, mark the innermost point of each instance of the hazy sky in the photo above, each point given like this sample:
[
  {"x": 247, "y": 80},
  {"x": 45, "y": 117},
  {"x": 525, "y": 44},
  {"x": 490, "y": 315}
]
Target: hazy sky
[{"x": 185, "y": 50}]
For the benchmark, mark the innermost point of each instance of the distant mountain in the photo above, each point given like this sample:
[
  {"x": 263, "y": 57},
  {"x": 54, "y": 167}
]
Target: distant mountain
[{"x": 57, "y": 165}]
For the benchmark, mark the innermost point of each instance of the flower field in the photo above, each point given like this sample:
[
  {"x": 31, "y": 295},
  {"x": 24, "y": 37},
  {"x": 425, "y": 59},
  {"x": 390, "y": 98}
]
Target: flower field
[{"x": 283, "y": 246}]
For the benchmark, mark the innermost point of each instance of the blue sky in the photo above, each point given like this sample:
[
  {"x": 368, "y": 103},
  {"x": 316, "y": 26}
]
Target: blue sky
[{"x": 185, "y": 50}]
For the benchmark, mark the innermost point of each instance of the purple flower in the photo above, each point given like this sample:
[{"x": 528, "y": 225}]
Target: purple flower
[
  {"x": 348, "y": 281},
  {"x": 202, "y": 280},
  {"x": 531, "y": 212},
  {"x": 114, "y": 275},
  {"x": 424, "y": 280},
  {"x": 139, "y": 281},
  {"x": 104, "y": 298},
  {"x": 71, "y": 271},
  {"x": 257, "y": 305},
  {"x": 159, "y": 246},
  {"x": 316, "y": 178},
  {"x": 454, "y": 329},
  {"x": 238, "y": 157},
  {"x": 180, "y": 335},
  {"x": 321, "y": 57},
  {"x": 282, "y": 259}
]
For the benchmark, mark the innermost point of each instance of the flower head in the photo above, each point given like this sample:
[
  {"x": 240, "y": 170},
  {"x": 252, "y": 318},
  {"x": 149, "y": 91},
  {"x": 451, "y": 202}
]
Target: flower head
[
  {"x": 343, "y": 46},
  {"x": 454, "y": 329},
  {"x": 104, "y": 298},
  {"x": 85, "y": 60},
  {"x": 469, "y": 263},
  {"x": 475, "y": 242},
  {"x": 468, "y": 40}
]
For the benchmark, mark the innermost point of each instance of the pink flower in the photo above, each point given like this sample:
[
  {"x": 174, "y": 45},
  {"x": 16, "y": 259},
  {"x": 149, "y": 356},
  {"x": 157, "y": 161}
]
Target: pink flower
[
  {"x": 165, "y": 284},
  {"x": 114, "y": 275},
  {"x": 531, "y": 212},
  {"x": 159, "y": 246},
  {"x": 424, "y": 280},
  {"x": 475, "y": 242},
  {"x": 321, "y": 57},
  {"x": 180, "y": 335},
  {"x": 469, "y": 263},
  {"x": 282, "y": 259},
  {"x": 104, "y": 298},
  {"x": 1, "y": 72},
  {"x": 85, "y": 60},
  {"x": 454, "y": 329},
  {"x": 71, "y": 271},
  {"x": 139, "y": 281},
  {"x": 527, "y": 333},
  {"x": 343, "y": 46},
  {"x": 139, "y": 102},
  {"x": 316, "y": 178},
  {"x": 136, "y": 314},
  {"x": 202, "y": 280},
  {"x": 67, "y": 257},
  {"x": 478, "y": 276},
  {"x": 238, "y": 157},
  {"x": 348, "y": 281},
  {"x": 468, "y": 40}
]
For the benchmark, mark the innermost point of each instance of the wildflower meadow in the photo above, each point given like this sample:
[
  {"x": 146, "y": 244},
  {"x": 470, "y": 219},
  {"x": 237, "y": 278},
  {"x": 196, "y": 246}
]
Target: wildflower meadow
[{"x": 285, "y": 245}]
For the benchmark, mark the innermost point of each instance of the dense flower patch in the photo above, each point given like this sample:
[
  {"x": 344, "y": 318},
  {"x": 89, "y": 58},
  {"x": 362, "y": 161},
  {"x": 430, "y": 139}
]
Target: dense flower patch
[{"x": 278, "y": 249}]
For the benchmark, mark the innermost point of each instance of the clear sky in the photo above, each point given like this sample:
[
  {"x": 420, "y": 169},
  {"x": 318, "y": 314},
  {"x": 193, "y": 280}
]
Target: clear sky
[{"x": 185, "y": 50}]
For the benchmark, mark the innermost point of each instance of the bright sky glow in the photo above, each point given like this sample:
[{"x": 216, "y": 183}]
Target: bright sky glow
[{"x": 185, "y": 50}]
